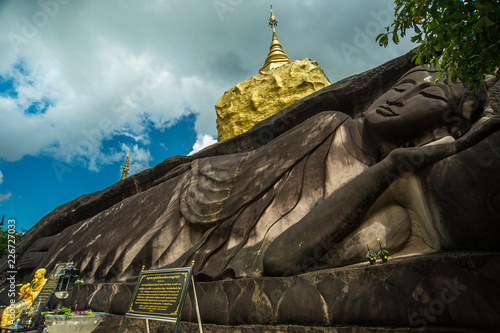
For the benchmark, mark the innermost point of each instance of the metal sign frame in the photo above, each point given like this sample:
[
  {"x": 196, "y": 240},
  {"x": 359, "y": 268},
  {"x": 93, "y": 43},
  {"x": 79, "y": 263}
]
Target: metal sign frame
[{"x": 174, "y": 295}]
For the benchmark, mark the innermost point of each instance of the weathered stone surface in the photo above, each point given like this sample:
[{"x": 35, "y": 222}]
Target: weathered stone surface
[
  {"x": 215, "y": 306},
  {"x": 302, "y": 304},
  {"x": 369, "y": 301},
  {"x": 493, "y": 106},
  {"x": 120, "y": 298},
  {"x": 454, "y": 296},
  {"x": 111, "y": 323},
  {"x": 264, "y": 94},
  {"x": 491, "y": 271},
  {"x": 274, "y": 290},
  {"x": 252, "y": 306},
  {"x": 189, "y": 311},
  {"x": 404, "y": 279},
  {"x": 330, "y": 287},
  {"x": 478, "y": 213},
  {"x": 234, "y": 290}
]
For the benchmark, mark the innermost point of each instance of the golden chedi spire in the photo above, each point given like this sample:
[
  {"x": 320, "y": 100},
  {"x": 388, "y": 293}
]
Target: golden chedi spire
[
  {"x": 279, "y": 84},
  {"x": 125, "y": 166},
  {"x": 276, "y": 56}
]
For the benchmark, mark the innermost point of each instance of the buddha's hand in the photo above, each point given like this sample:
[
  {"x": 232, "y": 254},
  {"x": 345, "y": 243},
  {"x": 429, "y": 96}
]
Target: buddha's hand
[{"x": 405, "y": 161}]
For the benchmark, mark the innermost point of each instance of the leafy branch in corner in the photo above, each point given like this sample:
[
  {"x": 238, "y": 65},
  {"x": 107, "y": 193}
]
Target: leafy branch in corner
[{"x": 459, "y": 37}]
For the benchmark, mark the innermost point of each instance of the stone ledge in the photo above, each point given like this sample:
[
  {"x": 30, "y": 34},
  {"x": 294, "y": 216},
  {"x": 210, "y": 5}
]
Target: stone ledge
[
  {"x": 445, "y": 290},
  {"x": 111, "y": 323}
]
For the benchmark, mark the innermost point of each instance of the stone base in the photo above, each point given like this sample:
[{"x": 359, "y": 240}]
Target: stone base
[
  {"x": 111, "y": 323},
  {"x": 263, "y": 95},
  {"x": 441, "y": 291}
]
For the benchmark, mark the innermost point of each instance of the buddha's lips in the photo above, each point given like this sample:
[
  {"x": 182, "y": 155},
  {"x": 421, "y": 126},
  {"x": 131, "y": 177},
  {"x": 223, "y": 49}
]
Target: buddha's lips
[{"x": 385, "y": 110}]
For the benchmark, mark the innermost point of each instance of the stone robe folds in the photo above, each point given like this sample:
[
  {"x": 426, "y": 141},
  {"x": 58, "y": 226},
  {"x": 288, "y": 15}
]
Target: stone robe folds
[{"x": 223, "y": 212}]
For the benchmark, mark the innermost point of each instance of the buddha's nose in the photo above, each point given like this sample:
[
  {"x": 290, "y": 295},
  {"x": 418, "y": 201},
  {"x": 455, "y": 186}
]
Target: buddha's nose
[{"x": 397, "y": 102}]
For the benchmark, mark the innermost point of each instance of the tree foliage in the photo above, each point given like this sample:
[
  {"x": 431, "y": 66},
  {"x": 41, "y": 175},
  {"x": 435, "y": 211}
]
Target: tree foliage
[
  {"x": 4, "y": 238},
  {"x": 461, "y": 37}
]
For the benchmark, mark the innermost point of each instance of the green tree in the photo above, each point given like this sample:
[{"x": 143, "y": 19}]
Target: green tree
[
  {"x": 4, "y": 239},
  {"x": 461, "y": 37}
]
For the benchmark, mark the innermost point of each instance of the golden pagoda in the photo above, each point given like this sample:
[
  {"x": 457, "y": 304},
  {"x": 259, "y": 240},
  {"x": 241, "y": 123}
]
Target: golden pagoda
[
  {"x": 276, "y": 56},
  {"x": 125, "y": 166},
  {"x": 279, "y": 83}
]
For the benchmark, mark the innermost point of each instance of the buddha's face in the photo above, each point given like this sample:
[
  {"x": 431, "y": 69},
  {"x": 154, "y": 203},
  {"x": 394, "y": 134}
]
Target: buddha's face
[{"x": 412, "y": 107}]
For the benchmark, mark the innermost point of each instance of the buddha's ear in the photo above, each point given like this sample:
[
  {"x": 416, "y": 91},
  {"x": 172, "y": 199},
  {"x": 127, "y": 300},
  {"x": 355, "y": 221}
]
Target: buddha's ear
[
  {"x": 472, "y": 105},
  {"x": 474, "y": 102},
  {"x": 469, "y": 107}
]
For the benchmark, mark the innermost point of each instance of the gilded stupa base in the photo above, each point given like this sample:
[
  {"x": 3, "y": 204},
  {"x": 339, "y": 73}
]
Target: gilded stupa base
[{"x": 266, "y": 93}]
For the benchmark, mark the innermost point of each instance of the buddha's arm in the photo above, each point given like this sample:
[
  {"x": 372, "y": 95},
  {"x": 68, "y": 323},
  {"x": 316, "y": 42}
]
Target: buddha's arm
[
  {"x": 318, "y": 232},
  {"x": 306, "y": 242}
]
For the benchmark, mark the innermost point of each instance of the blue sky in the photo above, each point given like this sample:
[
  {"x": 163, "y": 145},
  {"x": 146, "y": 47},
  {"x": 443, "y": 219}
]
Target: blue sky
[{"x": 82, "y": 81}]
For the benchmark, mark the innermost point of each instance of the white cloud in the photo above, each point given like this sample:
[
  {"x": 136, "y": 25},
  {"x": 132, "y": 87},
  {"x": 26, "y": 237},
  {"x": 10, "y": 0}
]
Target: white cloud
[
  {"x": 128, "y": 97},
  {"x": 5, "y": 196},
  {"x": 106, "y": 69},
  {"x": 97, "y": 86},
  {"x": 203, "y": 141},
  {"x": 140, "y": 159}
]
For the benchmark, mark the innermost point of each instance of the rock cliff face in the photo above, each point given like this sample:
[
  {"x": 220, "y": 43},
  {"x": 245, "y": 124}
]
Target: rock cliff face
[{"x": 261, "y": 96}]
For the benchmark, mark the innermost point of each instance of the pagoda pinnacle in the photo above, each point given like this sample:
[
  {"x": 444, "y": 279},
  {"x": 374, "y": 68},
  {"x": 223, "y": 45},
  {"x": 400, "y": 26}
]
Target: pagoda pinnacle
[
  {"x": 125, "y": 166},
  {"x": 276, "y": 56}
]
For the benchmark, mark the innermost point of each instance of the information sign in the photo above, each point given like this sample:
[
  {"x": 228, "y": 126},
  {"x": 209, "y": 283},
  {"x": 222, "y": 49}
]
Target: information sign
[{"x": 160, "y": 294}]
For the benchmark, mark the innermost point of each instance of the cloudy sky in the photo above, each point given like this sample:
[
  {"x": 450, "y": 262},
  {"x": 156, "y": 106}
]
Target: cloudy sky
[{"x": 81, "y": 81}]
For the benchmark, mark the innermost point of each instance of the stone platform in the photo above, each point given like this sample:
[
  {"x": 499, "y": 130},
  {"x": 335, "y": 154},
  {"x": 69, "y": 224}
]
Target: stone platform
[
  {"x": 440, "y": 292},
  {"x": 112, "y": 324}
]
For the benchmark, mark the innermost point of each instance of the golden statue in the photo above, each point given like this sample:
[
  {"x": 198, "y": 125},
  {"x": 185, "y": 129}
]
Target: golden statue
[{"x": 28, "y": 293}]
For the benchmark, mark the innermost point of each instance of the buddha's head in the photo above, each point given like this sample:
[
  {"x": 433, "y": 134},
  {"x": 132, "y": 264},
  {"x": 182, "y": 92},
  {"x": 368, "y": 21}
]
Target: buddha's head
[{"x": 416, "y": 110}]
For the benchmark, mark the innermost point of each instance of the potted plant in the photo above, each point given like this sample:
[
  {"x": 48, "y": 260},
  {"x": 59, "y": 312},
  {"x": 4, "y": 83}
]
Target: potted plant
[{"x": 65, "y": 320}]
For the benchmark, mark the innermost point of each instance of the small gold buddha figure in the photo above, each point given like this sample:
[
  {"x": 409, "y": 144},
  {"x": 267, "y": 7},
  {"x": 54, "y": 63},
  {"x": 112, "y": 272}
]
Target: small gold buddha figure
[{"x": 28, "y": 293}]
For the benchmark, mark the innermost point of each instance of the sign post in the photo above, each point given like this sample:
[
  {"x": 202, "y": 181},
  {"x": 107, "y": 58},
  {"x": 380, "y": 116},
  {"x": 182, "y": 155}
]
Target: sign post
[{"x": 160, "y": 295}]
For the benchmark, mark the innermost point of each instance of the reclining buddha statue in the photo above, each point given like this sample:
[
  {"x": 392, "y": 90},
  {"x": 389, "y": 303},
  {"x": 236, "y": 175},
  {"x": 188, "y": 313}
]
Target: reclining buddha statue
[{"x": 411, "y": 171}]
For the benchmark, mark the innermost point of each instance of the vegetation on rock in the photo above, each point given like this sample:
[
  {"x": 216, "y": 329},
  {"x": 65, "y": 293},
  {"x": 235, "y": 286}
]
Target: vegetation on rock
[
  {"x": 461, "y": 37},
  {"x": 4, "y": 238}
]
